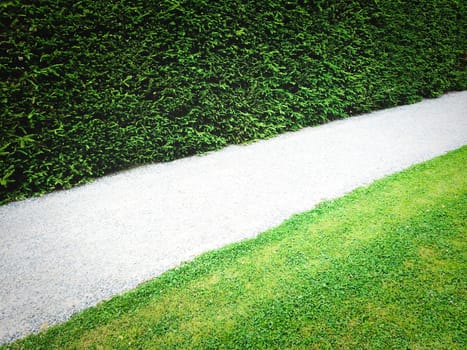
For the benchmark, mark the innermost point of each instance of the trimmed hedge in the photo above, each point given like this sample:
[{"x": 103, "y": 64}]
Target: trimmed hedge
[{"x": 91, "y": 87}]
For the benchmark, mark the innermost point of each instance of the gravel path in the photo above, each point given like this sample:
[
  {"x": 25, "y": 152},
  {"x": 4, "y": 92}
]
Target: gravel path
[{"x": 71, "y": 249}]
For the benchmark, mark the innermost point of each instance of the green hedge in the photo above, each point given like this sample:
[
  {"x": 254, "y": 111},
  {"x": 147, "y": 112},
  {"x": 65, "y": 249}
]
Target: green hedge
[{"x": 90, "y": 87}]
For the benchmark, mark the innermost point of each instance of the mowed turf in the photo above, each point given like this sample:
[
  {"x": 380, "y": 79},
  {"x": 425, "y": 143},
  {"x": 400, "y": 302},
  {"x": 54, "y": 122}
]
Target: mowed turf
[{"x": 381, "y": 268}]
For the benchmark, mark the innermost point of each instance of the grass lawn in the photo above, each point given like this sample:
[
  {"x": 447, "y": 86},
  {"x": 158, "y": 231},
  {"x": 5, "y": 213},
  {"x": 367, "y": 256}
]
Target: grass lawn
[{"x": 381, "y": 268}]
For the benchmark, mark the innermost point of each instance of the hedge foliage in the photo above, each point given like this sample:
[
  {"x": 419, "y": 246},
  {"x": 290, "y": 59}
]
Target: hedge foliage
[{"x": 90, "y": 87}]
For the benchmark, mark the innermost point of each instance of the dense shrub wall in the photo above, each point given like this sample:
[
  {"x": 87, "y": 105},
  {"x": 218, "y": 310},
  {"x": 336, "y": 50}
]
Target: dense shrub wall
[{"x": 90, "y": 87}]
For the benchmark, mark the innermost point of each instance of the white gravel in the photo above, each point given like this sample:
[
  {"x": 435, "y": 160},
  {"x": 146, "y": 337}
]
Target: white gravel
[{"x": 71, "y": 249}]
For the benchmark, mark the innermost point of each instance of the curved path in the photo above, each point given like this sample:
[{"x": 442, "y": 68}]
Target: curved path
[{"x": 71, "y": 249}]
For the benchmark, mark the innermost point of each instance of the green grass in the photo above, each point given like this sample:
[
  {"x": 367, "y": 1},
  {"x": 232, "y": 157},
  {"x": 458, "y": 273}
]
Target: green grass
[
  {"x": 90, "y": 87},
  {"x": 381, "y": 268}
]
